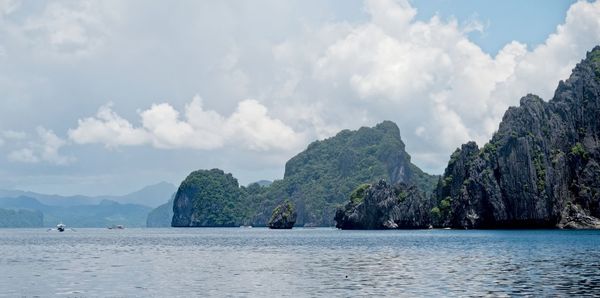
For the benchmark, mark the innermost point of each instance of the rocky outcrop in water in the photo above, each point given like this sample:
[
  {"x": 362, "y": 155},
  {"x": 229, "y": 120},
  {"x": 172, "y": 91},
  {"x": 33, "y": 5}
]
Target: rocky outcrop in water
[
  {"x": 316, "y": 180},
  {"x": 209, "y": 198},
  {"x": 283, "y": 217},
  {"x": 319, "y": 179},
  {"x": 540, "y": 169},
  {"x": 383, "y": 206}
]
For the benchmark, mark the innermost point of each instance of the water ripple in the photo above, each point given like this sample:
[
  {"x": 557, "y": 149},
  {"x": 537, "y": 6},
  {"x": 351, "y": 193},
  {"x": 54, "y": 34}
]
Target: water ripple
[{"x": 299, "y": 262}]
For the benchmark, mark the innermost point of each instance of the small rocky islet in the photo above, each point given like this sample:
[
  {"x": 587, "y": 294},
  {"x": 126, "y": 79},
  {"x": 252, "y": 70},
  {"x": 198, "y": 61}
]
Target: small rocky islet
[
  {"x": 541, "y": 169},
  {"x": 283, "y": 217}
]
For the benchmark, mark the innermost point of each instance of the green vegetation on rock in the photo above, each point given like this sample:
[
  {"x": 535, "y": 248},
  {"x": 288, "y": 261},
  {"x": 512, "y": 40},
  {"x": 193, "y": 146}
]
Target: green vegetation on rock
[
  {"x": 209, "y": 198},
  {"x": 578, "y": 150},
  {"x": 283, "y": 217},
  {"x": 321, "y": 178},
  {"x": 543, "y": 159},
  {"x": 358, "y": 195},
  {"x": 317, "y": 180}
]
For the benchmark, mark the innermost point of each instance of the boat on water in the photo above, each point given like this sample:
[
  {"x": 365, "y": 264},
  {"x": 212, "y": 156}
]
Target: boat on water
[
  {"x": 116, "y": 227},
  {"x": 246, "y": 227},
  {"x": 61, "y": 227}
]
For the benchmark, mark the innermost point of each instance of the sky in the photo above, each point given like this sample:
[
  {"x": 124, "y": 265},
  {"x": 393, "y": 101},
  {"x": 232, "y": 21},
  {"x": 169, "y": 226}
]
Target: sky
[{"x": 105, "y": 97}]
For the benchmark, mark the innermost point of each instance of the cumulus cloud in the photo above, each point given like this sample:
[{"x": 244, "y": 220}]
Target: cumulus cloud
[
  {"x": 199, "y": 129},
  {"x": 257, "y": 131},
  {"x": 308, "y": 79},
  {"x": 8, "y": 6},
  {"x": 162, "y": 126},
  {"x": 440, "y": 87},
  {"x": 44, "y": 147},
  {"x": 13, "y": 135},
  {"x": 57, "y": 28},
  {"x": 107, "y": 128},
  {"x": 25, "y": 155}
]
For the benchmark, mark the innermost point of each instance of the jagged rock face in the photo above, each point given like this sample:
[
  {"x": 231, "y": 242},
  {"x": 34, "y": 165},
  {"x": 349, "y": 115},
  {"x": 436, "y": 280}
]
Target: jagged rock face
[
  {"x": 541, "y": 169},
  {"x": 319, "y": 179},
  {"x": 574, "y": 217},
  {"x": 283, "y": 217},
  {"x": 382, "y": 206}
]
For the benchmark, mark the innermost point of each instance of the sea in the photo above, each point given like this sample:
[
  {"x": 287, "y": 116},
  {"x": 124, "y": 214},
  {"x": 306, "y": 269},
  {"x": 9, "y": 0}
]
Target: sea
[{"x": 302, "y": 262}]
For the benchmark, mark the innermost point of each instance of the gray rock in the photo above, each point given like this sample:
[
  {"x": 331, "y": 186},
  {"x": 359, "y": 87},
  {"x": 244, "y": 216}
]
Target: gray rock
[
  {"x": 283, "y": 217},
  {"x": 543, "y": 160},
  {"x": 382, "y": 206},
  {"x": 576, "y": 218}
]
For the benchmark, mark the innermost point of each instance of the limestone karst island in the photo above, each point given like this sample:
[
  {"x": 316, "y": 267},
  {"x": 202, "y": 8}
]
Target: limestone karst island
[{"x": 290, "y": 148}]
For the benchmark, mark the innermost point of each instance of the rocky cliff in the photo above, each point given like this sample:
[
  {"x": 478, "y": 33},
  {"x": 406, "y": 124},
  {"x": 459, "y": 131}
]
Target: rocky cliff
[
  {"x": 383, "y": 206},
  {"x": 320, "y": 179},
  {"x": 317, "y": 181},
  {"x": 540, "y": 169}
]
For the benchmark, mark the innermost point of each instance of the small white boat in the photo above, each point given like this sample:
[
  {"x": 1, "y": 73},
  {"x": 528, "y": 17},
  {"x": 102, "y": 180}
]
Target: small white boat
[{"x": 61, "y": 227}]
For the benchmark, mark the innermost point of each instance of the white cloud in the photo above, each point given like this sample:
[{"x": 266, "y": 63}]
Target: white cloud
[
  {"x": 254, "y": 129},
  {"x": 307, "y": 76},
  {"x": 427, "y": 76},
  {"x": 14, "y": 135},
  {"x": 249, "y": 126},
  {"x": 199, "y": 129},
  {"x": 109, "y": 129},
  {"x": 8, "y": 6},
  {"x": 25, "y": 155},
  {"x": 60, "y": 28},
  {"x": 43, "y": 148},
  {"x": 50, "y": 144}
]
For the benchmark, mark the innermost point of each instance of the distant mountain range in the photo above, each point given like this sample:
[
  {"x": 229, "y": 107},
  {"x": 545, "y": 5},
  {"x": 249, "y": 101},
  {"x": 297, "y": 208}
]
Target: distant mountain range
[
  {"x": 151, "y": 196},
  {"x": 30, "y": 209}
]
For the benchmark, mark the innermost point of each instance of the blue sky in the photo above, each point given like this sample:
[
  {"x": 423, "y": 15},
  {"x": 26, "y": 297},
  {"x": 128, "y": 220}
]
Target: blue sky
[
  {"x": 529, "y": 21},
  {"x": 106, "y": 97}
]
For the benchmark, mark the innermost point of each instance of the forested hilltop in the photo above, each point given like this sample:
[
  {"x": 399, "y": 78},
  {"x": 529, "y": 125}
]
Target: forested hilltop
[{"x": 317, "y": 180}]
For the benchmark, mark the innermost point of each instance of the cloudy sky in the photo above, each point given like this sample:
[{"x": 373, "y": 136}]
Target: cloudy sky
[{"x": 104, "y": 97}]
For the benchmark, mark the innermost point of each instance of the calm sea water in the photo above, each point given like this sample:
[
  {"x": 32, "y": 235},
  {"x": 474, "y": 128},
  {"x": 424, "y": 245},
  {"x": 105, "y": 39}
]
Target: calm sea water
[{"x": 298, "y": 263}]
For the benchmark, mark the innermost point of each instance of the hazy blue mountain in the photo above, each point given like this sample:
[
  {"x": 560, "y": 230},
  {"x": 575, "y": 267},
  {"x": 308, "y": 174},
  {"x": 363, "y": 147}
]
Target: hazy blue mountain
[
  {"x": 152, "y": 196},
  {"x": 56, "y": 200},
  {"x": 10, "y": 218},
  {"x": 262, "y": 183},
  {"x": 103, "y": 214},
  {"x": 161, "y": 216}
]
